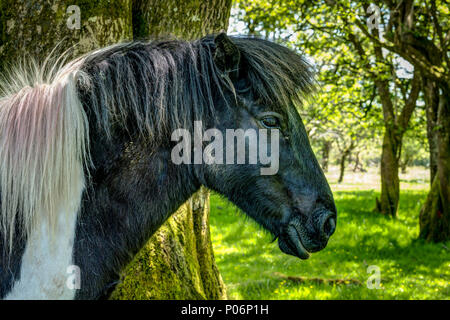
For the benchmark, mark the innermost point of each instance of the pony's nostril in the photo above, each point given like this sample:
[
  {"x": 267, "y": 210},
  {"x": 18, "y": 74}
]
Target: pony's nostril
[{"x": 329, "y": 226}]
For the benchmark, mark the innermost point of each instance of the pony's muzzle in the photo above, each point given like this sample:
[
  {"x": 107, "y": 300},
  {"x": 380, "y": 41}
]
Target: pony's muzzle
[
  {"x": 318, "y": 229},
  {"x": 306, "y": 234}
]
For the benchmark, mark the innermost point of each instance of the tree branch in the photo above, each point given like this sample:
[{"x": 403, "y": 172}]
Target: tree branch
[{"x": 410, "y": 103}]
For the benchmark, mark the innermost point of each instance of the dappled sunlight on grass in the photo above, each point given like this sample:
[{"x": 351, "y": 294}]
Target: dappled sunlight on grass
[{"x": 253, "y": 267}]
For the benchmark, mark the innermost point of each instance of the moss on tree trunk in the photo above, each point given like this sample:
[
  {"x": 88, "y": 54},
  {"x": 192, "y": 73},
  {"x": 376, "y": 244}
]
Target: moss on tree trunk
[
  {"x": 435, "y": 213},
  {"x": 434, "y": 224},
  {"x": 34, "y": 28},
  {"x": 187, "y": 19}
]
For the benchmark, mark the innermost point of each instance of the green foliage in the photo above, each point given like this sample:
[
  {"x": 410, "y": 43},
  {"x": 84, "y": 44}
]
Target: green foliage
[
  {"x": 251, "y": 264},
  {"x": 347, "y": 108}
]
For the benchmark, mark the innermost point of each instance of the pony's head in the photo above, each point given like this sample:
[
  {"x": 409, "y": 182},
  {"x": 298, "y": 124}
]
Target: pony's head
[{"x": 263, "y": 86}]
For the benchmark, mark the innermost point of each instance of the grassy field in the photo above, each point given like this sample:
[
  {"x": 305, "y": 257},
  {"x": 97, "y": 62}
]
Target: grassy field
[{"x": 254, "y": 268}]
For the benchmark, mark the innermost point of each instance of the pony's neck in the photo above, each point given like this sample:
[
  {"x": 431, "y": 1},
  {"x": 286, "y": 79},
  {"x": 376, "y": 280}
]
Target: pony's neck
[{"x": 131, "y": 194}]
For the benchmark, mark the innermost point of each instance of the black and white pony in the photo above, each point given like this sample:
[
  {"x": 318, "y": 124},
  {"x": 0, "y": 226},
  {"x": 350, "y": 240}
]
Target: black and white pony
[{"x": 86, "y": 174}]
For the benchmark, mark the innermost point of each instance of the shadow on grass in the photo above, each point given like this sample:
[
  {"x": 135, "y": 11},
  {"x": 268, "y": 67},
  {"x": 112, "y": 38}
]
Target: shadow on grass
[{"x": 248, "y": 260}]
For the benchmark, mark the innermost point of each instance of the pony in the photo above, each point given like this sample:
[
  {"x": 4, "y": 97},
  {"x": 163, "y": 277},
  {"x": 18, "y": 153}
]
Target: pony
[{"x": 86, "y": 175}]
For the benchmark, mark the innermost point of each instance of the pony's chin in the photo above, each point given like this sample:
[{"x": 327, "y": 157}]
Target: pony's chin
[{"x": 290, "y": 243}]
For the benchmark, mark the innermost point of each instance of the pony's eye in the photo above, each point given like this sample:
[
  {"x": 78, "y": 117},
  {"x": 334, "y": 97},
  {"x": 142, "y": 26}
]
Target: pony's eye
[
  {"x": 242, "y": 86},
  {"x": 271, "y": 122}
]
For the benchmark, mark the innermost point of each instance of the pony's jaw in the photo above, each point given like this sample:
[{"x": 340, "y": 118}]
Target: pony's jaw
[{"x": 303, "y": 234}]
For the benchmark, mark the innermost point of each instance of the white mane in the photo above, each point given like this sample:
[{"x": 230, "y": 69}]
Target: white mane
[{"x": 43, "y": 145}]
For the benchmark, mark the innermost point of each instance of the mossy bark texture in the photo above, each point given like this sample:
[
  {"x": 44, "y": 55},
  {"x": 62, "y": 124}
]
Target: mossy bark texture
[
  {"x": 178, "y": 261},
  {"x": 187, "y": 19},
  {"x": 35, "y": 27},
  {"x": 435, "y": 213}
]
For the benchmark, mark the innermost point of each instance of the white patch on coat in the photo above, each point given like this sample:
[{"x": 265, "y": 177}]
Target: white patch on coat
[
  {"x": 48, "y": 254},
  {"x": 43, "y": 150}
]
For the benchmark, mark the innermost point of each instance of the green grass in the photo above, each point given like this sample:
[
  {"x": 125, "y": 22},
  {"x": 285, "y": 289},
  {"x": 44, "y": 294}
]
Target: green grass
[{"x": 254, "y": 268}]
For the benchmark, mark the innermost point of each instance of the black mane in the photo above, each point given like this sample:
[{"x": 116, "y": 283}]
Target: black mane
[{"x": 160, "y": 86}]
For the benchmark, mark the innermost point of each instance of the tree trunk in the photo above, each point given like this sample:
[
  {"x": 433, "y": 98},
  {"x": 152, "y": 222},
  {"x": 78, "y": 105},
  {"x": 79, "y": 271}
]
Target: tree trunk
[
  {"x": 435, "y": 213},
  {"x": 431, "y": 97},
  {"x": 178, "y": 262},
  {"x": 434, "y": 224},
  {"x": 187, "y": 19},
  {"x": 395, "y": 127},
  {"x": 326, "y": 147},
  {"x": 341, "y": 168},
  {"x": 343, "y": 161},
  {"x": 390, "y": 182},
  {"x": 355, "y": 168},
  {"x": 404, "y": 164}
]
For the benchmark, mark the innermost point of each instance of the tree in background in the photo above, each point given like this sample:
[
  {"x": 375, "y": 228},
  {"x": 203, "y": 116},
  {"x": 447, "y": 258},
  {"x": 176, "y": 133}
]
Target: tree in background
[
  {"x": 178, "y": 261},
  {"x": 352, "y": 62},
  {"x": 397, "y": 105},
  {"x": 381, "y": 32},
  {"x": 420, "y": 33},
  {"x": 327, "y": 144},
  {"x": 342, "y": 113}
]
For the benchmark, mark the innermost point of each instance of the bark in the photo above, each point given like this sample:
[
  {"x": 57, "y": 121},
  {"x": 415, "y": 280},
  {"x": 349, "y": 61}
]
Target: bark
[
  {"x": 435, "y": 214},
  {"x": 188, "y": 19},
  {"x": 178, "y": 262},
  {"x": 434, "y": 222},
  {"x": 431, "y": 97},
  {"x": 443, "y": 171},
  {"x": 390, "y": 181},
  {"x": 34, "y": 28}
]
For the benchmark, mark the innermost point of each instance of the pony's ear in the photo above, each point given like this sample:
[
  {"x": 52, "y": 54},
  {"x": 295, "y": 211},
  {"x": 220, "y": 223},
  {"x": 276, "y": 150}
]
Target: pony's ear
[{"x": 227, "y": 55}]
